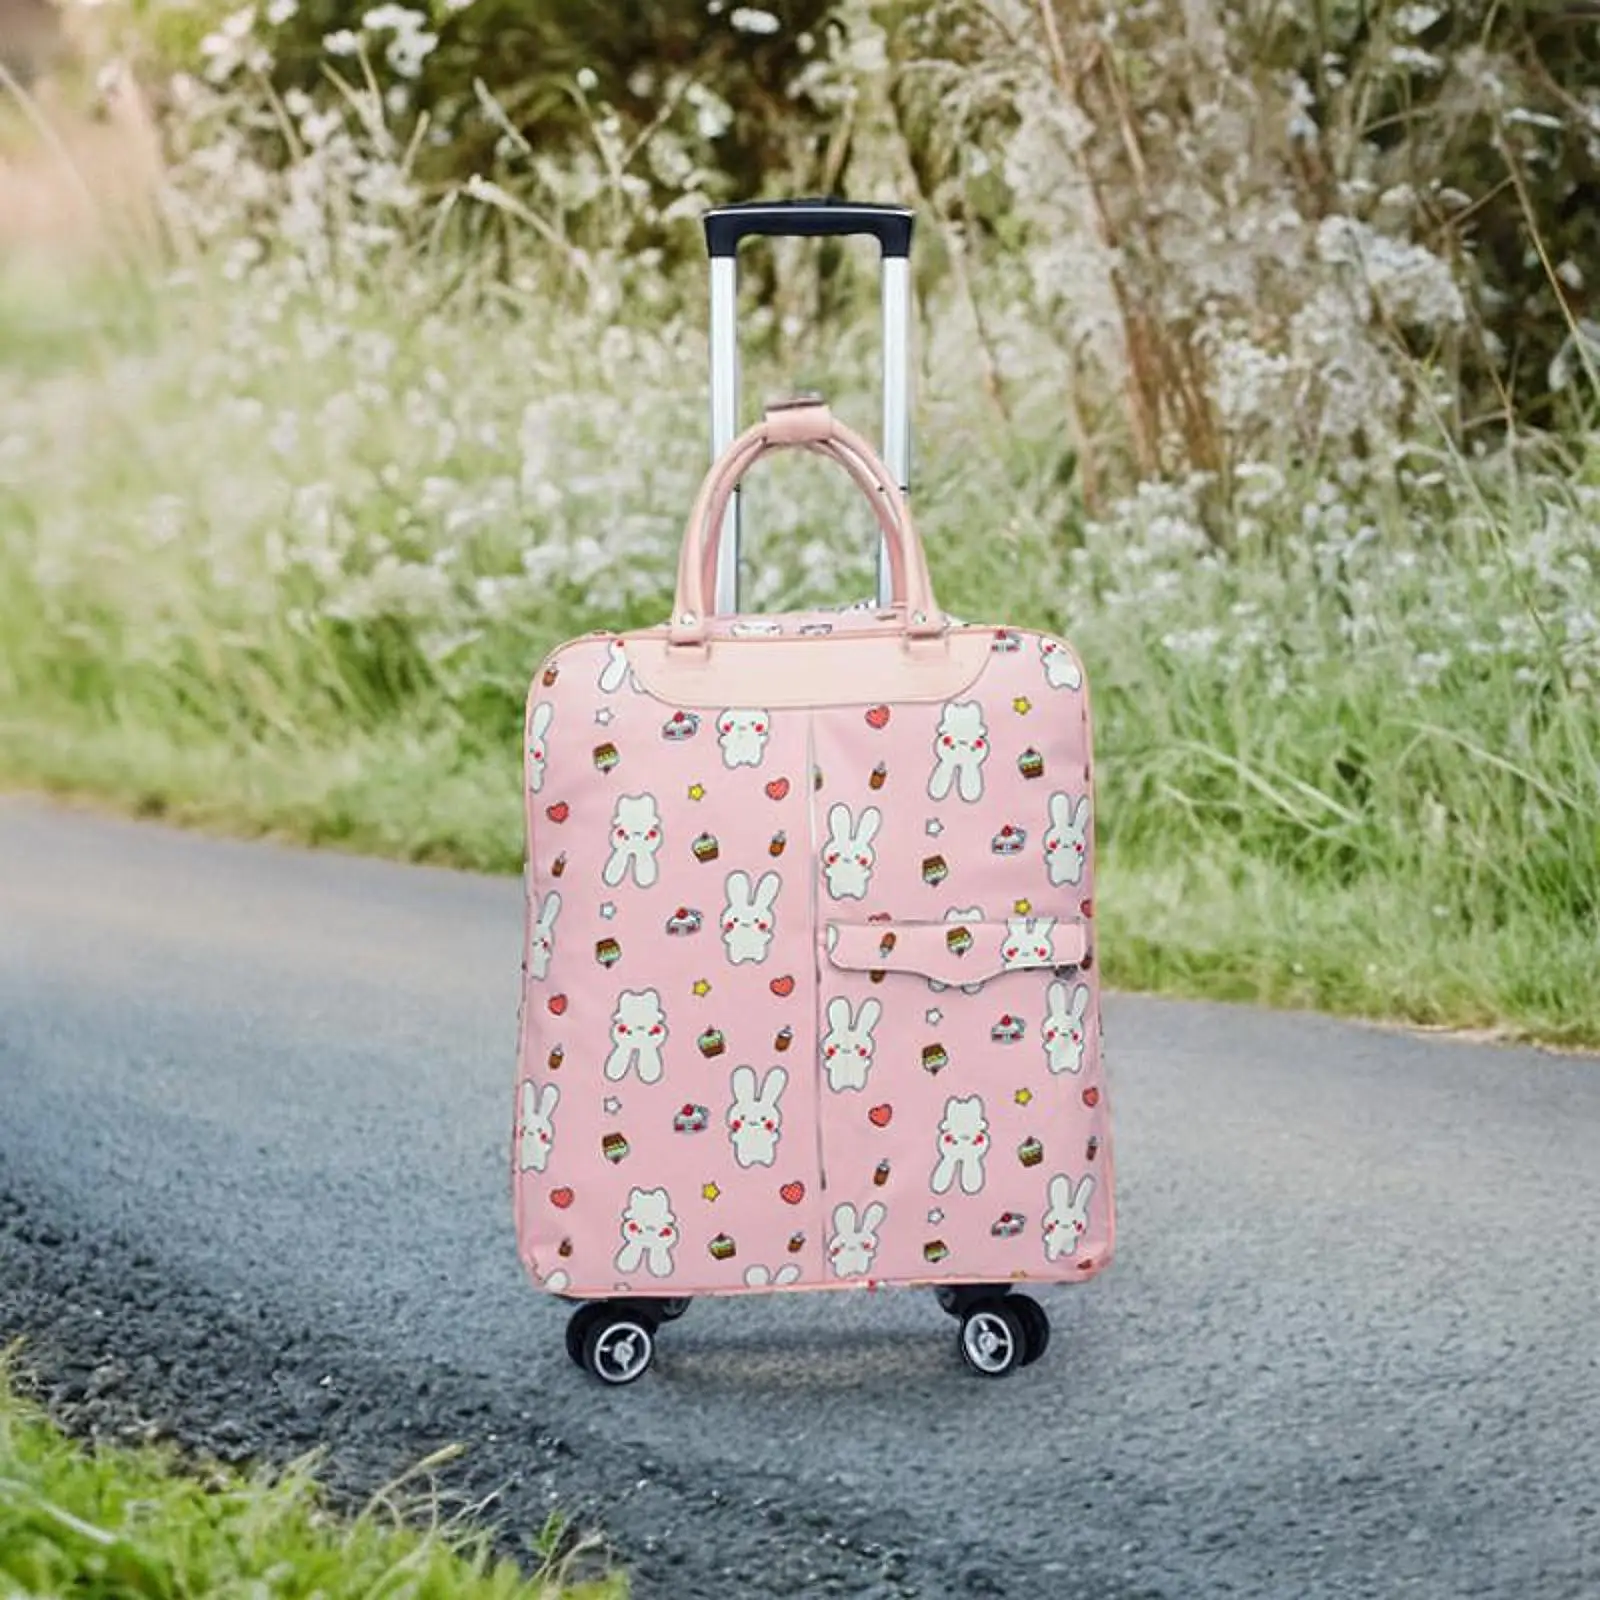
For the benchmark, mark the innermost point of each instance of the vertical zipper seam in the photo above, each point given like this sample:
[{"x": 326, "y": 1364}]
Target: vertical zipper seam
[{"x": 814, "y": 908}]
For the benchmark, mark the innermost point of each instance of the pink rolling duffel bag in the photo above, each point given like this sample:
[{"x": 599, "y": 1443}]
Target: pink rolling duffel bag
[{"x": 809, "y": 994}]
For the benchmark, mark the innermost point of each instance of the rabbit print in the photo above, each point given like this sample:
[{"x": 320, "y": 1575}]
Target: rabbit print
[
  {"x": 1067, "y": 1220},
  {"x": 743, "y": 736},
  {"x": 542, "y": 940},
  {"x": 638, "y": 1031},
  {"x": 853, "y": 1244},
  {"x": 536, "y": 1134},
  {"x": 759, "y": 1277},
  {"x": 1029, "y": 942},
  {"x": 635, "y": 841},
  {"x": 1065, "y": 1027},
  {"x": 959, "y": 914},
  {"x": 538, "y": 731},
  {"x": 1066, "y": 842},
  {"x": 749, "y": 919},
  {"x": 963, "y": 1143},
  {"x": 1060, "y": 670},
  {"x": 960, "y": 748},
  {"x": 616, "y": 671},
  {"x": 848, "y": 1044},
  {"x": 847, "y": 855},
  {"x": 649, "y": 1232},
  {"x": 755, "y": 1119}
]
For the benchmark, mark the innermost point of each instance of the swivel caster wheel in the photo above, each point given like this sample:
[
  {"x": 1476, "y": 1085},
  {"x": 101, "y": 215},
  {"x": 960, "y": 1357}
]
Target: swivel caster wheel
[
  {"x": 613, "y": 1343},
  {"x": 954, "y": 1298},
  {"x": 1000, "y": 1334}
]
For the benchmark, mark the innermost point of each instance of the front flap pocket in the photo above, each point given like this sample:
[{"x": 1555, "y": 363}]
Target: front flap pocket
[{"x": 958, "y": 951}]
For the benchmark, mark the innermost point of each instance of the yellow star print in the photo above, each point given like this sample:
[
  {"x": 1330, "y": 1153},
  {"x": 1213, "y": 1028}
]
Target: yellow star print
[
  {"x": 1023, "y": 1097},
  {"x": 1022, "y": 907},
  {"x": 697, "y": 791},
  {"x": 701, "y": 987},
  {"x": 710, "y": 1192},
  {"x": 1022, "y": 705}
]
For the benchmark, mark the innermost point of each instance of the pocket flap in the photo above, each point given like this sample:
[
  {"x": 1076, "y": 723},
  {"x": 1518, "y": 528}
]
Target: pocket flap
[{"x": 959, "y": 951}]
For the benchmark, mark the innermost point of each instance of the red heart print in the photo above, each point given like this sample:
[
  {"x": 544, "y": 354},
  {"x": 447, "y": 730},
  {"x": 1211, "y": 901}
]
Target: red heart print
[
  {"x": 878, "y": 717},
  {"x": 793, "y": 1193},
  {"x": 881, "y": 1116},
  {"x": 782, "y": 987},
  {"x": 1091, "y": 1096},
  {"x": 559, "y": 812},
  {"x": 778, "y": 789},
  {"x": 561, "y": 1198},
  {"x": 558, "y": 1005},
  {"x": 1086, "y": 907}
]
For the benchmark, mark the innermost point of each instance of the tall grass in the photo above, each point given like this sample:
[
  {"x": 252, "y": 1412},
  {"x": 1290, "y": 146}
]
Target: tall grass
[{"x": 282, "y": 541}]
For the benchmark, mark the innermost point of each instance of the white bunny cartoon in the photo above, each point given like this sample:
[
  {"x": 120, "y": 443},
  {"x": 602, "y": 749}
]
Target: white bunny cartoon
[
  {"x": 542, "y": 937},
  {"x": 959, "y": 914},
  {"x": 616, "y": 671},
  {"x": 755, "y": 1119},
  {"x": 960, "y": 748},
  {"x": 963, "y": 1143},
  {"x": 848, "y": 856},
  {"x": 1068, "y": 1217},
  {"x": 635, "y": 839},
  {"x": 638, "y": 1031},
  {"x": 853, "y": 1246},
  {"x": 759, "y": 1277},
  {"x": 848, "y": 1044},
  {"x": 1066, "y": 843},
  {"x": 1065, "y": 1027},
  {"x": 1029, "y": 942},
  {"x": 649, "y": 1232},
  {"x": 1060, "y": 670},
  {"x": 538, "y": 730},
  {"x": 743, "y": 736},
  {"x": 536, "y": 1134},
  {"x": 749, "y": 920}
]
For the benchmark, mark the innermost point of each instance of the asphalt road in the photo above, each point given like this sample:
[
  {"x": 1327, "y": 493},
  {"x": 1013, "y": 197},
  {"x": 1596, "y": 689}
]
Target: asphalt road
[{"x": 254, "y": 1112}]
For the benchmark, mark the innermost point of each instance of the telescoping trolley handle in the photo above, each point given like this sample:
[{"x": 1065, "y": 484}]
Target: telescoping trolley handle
[{"x": 726, "y": 227}]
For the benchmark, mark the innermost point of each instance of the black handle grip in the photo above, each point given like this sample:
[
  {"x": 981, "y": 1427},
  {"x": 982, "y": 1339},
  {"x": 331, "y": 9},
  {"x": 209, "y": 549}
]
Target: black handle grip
[{"x": 807, "y": 219}]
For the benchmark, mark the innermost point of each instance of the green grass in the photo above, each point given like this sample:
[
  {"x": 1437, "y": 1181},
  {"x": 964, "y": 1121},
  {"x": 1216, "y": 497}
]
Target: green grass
[
  {"x": 112, "y": 1522},
  {"x": 1354, "y": 766}
]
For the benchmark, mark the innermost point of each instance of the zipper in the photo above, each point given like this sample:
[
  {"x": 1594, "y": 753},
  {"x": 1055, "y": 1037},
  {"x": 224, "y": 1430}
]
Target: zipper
[{"x": 813, "y": 908}]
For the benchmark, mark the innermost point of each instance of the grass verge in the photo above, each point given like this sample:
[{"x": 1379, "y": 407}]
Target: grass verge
[{"x": 107, "y": 1522}]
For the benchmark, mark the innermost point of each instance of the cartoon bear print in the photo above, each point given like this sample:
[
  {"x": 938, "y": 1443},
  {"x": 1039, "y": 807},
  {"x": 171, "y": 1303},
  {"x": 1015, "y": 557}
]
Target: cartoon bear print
[
  {"x": 635, "y": 841},
  {"x": 963, "y": 1143},
  {"x": 649, "y": 1233},
  {"x": 1029, "y": 942},
  {"x": 960, "y": 748},
  {"x": 538, "y": 752},
  {"x": 638, "y": 1033},
  {"x": 743, "y": 736}
]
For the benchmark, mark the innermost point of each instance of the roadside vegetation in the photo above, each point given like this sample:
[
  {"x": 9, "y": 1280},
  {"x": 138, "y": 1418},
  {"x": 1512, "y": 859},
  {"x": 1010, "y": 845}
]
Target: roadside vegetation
[
  {"x": 108, "y": 1522},
  {"x": 1253, "y": 357}
]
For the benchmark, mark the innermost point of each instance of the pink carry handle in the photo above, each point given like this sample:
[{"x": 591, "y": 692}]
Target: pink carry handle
[{"x": 807, "y": 425}]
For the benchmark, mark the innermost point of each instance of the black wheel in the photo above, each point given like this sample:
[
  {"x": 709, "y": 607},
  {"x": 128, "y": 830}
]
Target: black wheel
[
  {"x": 578, "y": 1326},
  {"x": 954, "y": 1298},
  {"x": 671, "y": 1310},
  {"x": 1035, "y": 1327},
  {"x": 620, "y": 1345},
  {"x": 993, "y": 1338}
]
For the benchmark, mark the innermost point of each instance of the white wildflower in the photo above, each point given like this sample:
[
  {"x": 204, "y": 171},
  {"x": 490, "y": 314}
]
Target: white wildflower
[{"x": 748, "y": 19}]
